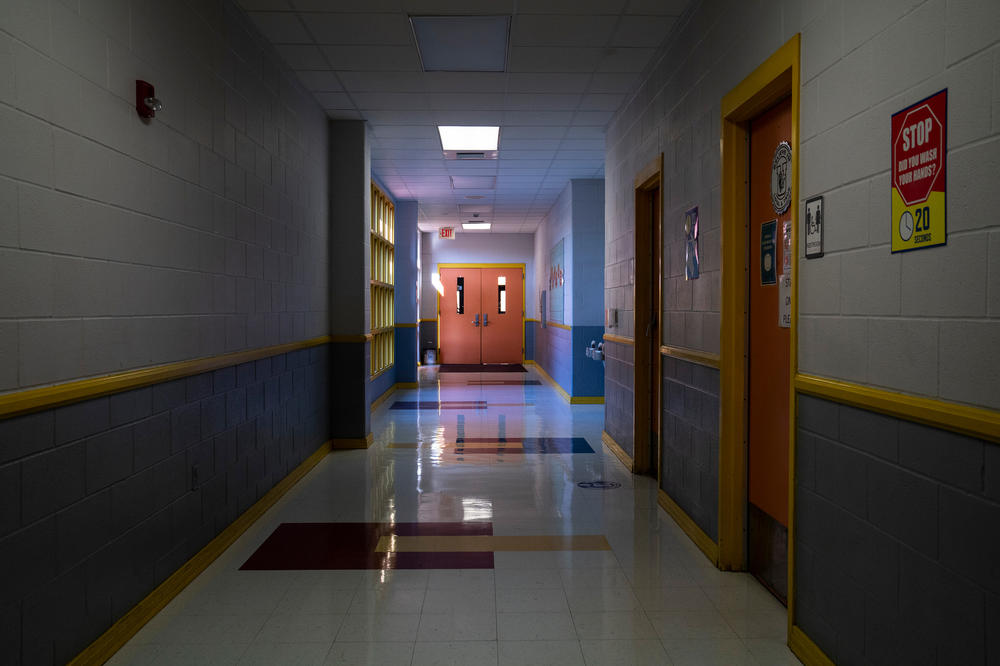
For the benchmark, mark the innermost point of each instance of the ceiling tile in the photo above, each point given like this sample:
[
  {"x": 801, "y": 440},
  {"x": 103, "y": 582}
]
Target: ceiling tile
[
  {"x": 334, "y": 100},
  {"x": 471, "y": 101},
  {"x": 532, "y": 133},
  {"x": 383, "y": 81},
  {"x": 619, "y": 82},
  {"x": 388, "y": 100},
  {"x": 625, "y": 60},
  {"x": 319, "y": 80},
  {"x": 255, "y": 5},
  {"x": 541, "y": 102},
  {"x": 537, "y": 118},
  {"x": 662, "y": 7},
  {"x": 406, "y": 131},
  {"x": 348, "y": 6},
  {"x": 381, "y": 29},
  {"x": 344, "y": 114},
  {"x": 601, "y": 102},
  {"x": 600, "y": 118},
  {"x": 372, "y": 58},
  {"x": 281, "y": 27},
  {"x": 572, "y": 7},
  {"x": 642, "y": 30},
  {"x": 546, "y": 83},
  {"x": 300, "y": 56},
  {"x": 461, "y": 43},
  {"x": 461, "y": 7},
  {"x": 554, "y": 59},
  {"x": 573, "y": 30}
]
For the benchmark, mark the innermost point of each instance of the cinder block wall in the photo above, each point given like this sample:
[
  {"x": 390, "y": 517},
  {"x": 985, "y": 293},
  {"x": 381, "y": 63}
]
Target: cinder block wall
[
  {"x": 866, "y": 316},
  {"x": 124, "y": 243}
]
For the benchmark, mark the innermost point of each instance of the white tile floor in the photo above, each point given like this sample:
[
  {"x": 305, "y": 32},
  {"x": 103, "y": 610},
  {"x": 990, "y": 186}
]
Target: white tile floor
[{"x": 653, "y": 599}]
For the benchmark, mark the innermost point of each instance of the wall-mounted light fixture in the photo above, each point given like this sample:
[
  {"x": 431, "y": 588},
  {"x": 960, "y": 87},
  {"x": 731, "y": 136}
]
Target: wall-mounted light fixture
[{"x": 146, "y": 103}]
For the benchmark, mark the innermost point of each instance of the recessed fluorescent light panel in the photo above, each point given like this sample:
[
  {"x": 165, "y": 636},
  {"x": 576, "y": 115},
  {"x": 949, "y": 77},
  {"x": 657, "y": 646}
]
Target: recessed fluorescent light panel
[
  {"x": 474, "y": 182},
  {"x": 469, "y": 142},
  {"x": 472, "y": 226},
  {"x": 462, "y": 43}
]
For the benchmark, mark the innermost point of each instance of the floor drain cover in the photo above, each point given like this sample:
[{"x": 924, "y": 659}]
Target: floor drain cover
[{"x": 603, "y": 485}]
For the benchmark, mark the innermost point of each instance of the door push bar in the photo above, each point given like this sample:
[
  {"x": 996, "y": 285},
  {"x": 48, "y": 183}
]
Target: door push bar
[
  {"x": 486, "y": 322},
  {"x": 475, "y": 321}
]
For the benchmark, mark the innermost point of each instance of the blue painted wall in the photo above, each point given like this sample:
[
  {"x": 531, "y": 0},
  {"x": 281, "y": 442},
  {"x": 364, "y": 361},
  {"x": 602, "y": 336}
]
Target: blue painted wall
[
  {"x": 530, "y": 333},
  {"x": 406, "y": 354},
  {"x": 577, "y": 218}
]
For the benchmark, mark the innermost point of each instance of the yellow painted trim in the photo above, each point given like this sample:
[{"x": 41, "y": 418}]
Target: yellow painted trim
[
  {"x": 407, "y": 385},
  {"x": 47, "y": 397},
  {"x": 112, "y": 640},
  {"x": 475, "y": 265},
  {"x": 616, "y": 449},
  {"x": 427, "y": 320},
  {"x": 619, "y": 339},
  {"x": 365, "y": 337},
  {"x": 404, "y": 325},
  {"x": 587, "y": 400},
  {"x": 972, "y": 421},
  {"x": 686, "y": 523},
  {"x": 382, "y": 398},
  {"x": 532, "y": 319},
  {"x": 557, "y": 325},
  {"x": 529, "y": 362},
  {"x": 692, "y": 356},
  {"x": 808, "y": 652},
  {"x": 776, "y": 78},
  {"x": 342, "y": 443},
  {"x": 555, "y": 384}
]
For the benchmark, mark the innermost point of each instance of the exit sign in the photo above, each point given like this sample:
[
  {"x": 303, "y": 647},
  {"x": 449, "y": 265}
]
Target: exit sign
[{"x": 447, "y": 233}]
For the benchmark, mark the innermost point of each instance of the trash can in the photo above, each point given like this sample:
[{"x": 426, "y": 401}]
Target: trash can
[{"x": 430, "y": 357}]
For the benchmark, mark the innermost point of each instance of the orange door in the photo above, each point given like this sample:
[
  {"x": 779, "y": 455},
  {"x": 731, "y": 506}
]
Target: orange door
[
  {"x": 502, "y": 315},
  {"x": 461, "y": 315},
  {"x": 768, "y": 343}
]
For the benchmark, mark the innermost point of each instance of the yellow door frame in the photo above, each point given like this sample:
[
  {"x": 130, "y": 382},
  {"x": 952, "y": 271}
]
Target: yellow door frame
[
  {"x": 777, "y": 78},
  {"x": 524, "y": 287}
]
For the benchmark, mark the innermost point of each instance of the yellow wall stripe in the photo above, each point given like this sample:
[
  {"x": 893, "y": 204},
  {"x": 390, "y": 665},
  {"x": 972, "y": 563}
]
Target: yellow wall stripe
[
  {"x": 47, "y": 397},
  {"x": 616, "y": 449},
  {"x": 125, "y": 628},
  {"x": 562, "y": 326},
  {"x": 808, "y": 652},
  {"x": 405, "y": 325},
  {"x": 555, "y": 384},
  {"x": 974, "y": 421},
  {"x": 587, "y": 400},
  {"x": 686, "y": 523},
  {"x": 619, "y": 339},
  {"x": 692, "y": 355}
]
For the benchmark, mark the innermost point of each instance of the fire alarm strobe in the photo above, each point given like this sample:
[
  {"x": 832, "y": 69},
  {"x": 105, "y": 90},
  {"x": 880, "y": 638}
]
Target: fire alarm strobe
[{"x": 146, "y": 103}]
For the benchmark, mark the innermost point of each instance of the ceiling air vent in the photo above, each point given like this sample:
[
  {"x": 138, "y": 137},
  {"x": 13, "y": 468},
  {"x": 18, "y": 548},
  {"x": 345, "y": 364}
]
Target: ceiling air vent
[{"x": 470, "y": 154}]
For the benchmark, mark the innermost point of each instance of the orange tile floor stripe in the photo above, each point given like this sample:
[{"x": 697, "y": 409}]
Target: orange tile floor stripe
[{"x": 485, "y": 543}]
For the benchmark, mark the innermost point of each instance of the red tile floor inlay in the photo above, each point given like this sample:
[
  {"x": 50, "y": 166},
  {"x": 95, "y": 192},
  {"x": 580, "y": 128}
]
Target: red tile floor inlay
[{"x": 295, "y": 546}]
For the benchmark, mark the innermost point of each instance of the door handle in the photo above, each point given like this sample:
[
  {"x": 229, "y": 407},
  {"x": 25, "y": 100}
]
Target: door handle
[
  {"x": 485, "y": 322},
  {"x": 475, "y": 321}
]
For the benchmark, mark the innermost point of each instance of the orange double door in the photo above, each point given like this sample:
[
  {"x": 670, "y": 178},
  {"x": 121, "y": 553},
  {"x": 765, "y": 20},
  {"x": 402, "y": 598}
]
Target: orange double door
[{"x": 482, "y": 315}]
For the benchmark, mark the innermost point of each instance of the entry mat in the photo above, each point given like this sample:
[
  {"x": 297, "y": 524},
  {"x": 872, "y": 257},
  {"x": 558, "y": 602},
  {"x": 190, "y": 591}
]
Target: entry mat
[
  {"x": 484, "y": 367},
  {"x": 465, "y": 545}
]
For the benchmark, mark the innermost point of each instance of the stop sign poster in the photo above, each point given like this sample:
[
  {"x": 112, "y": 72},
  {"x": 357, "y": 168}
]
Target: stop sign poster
[{"x": 918, "y": 174}]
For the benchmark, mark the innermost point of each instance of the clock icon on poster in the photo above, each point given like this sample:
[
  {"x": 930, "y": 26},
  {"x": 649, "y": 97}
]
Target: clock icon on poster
[{"x": 905, "y": 225}]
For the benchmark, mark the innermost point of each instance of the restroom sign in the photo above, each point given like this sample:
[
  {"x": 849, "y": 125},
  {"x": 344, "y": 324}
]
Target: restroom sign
[{"x": 919, "y": 144}]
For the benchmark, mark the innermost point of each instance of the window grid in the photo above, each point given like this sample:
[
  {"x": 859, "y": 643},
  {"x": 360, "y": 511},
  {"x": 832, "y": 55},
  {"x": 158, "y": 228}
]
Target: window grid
[{"x": 383, "y": 296}]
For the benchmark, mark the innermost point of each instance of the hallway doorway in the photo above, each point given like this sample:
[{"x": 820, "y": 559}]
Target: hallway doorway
[
  {"x": 481, "y": 313},
  {"x": 769, "y": 239},
  {"x": 648, "y": 307}
]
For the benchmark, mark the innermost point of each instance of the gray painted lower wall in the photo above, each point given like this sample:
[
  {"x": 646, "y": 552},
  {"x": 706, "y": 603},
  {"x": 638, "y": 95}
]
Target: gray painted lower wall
[
  {"x": 619, "y": 400},
  {"x": 897, "y": 537},
  {"x": 98, "y": 500},
  {"x": 689, "y": 456}
]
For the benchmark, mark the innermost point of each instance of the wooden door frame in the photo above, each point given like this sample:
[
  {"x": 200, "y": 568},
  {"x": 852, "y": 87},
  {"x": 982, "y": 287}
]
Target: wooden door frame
[
  {"x": 647, "y": 286},
  {"x": 774, "y": 80},
  {"x": 524, "y": 282}
]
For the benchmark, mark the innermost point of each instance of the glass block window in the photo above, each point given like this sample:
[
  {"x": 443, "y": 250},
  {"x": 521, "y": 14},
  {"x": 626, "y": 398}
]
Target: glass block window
[{"x": 383, "y": 296}]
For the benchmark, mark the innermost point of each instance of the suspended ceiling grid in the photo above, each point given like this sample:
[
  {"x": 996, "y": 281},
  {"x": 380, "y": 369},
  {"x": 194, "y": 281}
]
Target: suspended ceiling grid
[{"x": 570, "y": 64}]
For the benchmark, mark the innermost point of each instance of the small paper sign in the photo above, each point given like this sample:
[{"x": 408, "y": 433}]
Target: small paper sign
[{"x": 785, "y": 301}]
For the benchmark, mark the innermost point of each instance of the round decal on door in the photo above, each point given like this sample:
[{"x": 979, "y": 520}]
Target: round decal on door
[{"x": 781, "y": 178}]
